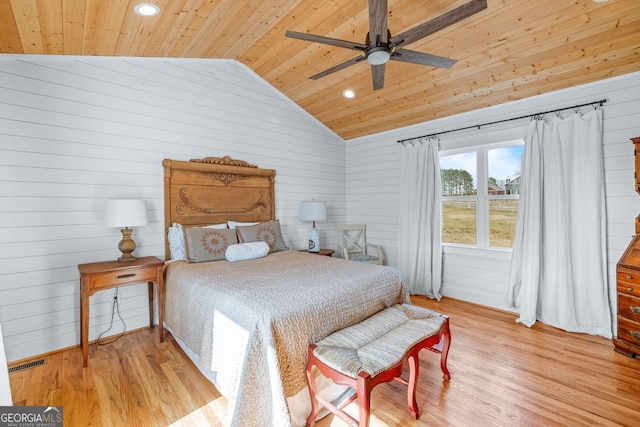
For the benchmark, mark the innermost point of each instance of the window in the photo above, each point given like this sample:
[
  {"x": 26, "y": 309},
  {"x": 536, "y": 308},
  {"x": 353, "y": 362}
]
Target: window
[{"x": 480, "y": 193}]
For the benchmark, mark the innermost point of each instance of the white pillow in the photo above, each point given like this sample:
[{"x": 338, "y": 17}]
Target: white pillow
[
  {"x": 246, "y": 251},
  {"x": 216, "y": 226},
  {"x": 176, "y": 241},
  {"x": 175, "y": 235},
  {"x": 232, "y": 224}
]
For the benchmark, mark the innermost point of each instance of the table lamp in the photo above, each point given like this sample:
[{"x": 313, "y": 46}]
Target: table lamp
[
  {"x": 125, "y": 213},
  {"x": 313, "y": 211}
]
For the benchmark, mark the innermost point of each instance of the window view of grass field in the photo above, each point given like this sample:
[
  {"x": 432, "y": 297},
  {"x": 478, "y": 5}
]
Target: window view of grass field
[
  {"x": 459, "y": 222},
  {"x": 502, "y": 222},
  {"x": 499, "y": 197}
]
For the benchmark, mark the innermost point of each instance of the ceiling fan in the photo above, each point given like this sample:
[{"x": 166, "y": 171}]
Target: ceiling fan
[{"x": 380, "y": 47}]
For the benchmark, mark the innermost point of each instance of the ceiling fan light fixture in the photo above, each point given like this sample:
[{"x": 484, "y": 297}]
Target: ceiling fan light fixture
[
  {"x": 146, "y": 9},
  {"x": 378, "y": 56}
]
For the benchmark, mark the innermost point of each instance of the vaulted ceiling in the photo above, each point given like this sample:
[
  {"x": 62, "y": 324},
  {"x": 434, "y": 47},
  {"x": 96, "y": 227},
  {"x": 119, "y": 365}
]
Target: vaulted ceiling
[{"x": 511, "y": 50}]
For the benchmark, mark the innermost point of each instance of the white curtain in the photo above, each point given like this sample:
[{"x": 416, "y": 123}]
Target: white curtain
[
  {"x": 5, "y": 386},
  {"x": 420, "y": 232},
  {"x": 558, "y": 268}
]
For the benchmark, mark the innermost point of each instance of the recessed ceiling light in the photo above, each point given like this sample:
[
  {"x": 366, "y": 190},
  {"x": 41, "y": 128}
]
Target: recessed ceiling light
[
  {"x": 348, "y": 93},
  {"x": 146, "y": 9}
]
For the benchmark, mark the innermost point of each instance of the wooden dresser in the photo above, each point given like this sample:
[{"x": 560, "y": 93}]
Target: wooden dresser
[{"x": 628, "y": 284}]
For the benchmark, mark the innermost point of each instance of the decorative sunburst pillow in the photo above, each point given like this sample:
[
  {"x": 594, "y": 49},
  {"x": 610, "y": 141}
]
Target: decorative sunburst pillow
[
  {"x": 208, "y": 244},
  {"x": 175, "y": 235},
  {"x": 268, "y": 232}
]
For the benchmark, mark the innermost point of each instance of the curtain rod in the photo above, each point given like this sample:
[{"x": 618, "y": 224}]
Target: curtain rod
[{"x": 600, "y": 102}]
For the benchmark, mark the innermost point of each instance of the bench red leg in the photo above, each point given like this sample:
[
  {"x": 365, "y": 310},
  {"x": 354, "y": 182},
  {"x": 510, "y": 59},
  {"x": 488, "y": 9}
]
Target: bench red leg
[
  {"x": 446, "y": 342},
  {"x": 363, "y": 391},
  {"x": 414, "y": 368}
]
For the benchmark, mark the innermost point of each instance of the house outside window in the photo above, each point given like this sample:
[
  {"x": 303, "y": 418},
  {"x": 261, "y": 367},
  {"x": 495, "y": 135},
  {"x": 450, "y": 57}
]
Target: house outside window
[
  {"x": 480, "y": 192},
  {"x": 512, "y": 186}
]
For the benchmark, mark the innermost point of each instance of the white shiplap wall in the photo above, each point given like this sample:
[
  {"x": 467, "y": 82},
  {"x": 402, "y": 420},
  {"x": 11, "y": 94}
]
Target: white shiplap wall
[
  {"x": 373, "y": 182},
  {"x": 75, "y": 131}
]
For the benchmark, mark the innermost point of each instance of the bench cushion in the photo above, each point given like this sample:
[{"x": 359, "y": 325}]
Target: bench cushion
[{"x": 379, "y": 342}]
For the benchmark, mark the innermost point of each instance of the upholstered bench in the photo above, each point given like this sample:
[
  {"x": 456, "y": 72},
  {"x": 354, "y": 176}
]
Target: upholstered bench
[{"x": 374, "y": 351}]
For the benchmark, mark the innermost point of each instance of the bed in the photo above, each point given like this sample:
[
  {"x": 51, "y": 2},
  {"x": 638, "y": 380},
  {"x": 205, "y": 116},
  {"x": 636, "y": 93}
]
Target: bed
[{"x": 247, "y": 324}]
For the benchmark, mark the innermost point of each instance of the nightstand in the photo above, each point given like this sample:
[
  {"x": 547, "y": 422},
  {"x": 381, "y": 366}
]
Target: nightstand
[
  {"x": 325, "y": 252},
  {"x": 99, "y": 276}
]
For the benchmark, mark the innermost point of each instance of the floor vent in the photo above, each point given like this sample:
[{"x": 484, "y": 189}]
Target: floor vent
[{"x": 27, "y": 365}]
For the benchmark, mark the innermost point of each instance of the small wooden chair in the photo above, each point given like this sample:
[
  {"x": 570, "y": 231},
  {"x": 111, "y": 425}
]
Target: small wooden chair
[
  {"x": 352, "y": 240},
  {"x": 374, "y": 351}
]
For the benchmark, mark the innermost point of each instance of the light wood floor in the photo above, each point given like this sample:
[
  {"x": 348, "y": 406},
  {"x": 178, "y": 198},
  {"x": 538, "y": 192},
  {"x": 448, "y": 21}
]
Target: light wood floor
[{"x": 503, "y": 374}]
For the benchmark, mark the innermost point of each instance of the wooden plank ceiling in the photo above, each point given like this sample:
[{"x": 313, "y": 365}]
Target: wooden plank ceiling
[{"x": 511, "y": 50}]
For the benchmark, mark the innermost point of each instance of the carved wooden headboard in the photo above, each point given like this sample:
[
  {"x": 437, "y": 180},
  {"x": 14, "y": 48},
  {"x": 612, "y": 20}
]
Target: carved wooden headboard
[{"x": 215, "y": 190}]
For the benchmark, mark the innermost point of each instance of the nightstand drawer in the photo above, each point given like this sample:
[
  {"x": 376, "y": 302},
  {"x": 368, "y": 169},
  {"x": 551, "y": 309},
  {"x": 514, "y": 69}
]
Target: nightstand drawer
[
  {"x": 629, "y": 307},
  {"x": 122, "y": 277},
  {"x": 628, "y": 288},
  {"x": 628, "y": 330}
]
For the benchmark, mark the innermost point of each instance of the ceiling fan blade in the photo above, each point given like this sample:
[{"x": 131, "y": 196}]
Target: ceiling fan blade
[
  {"x": 439, "y": 23},
  {"x": 325, "y": 40},
  {"x": 378, "y": 20},
  {"x": 377, "y": 73},
  {"x": 338, "y": 67},
  {"x": 420, "y": 58}
]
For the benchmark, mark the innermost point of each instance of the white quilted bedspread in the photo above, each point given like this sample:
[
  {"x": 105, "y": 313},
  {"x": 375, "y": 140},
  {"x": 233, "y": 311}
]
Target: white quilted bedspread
[{"x": 251, "y": 321}]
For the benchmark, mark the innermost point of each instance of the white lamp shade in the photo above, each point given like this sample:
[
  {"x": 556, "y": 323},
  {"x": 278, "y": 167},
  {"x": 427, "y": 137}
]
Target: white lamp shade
[
  {"x": 313, "y": 211},
  {"x": 125, "y": 213}
]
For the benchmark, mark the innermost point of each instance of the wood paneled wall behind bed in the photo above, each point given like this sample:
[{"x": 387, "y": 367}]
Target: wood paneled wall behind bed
[{"x": 215, "y": 190}]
